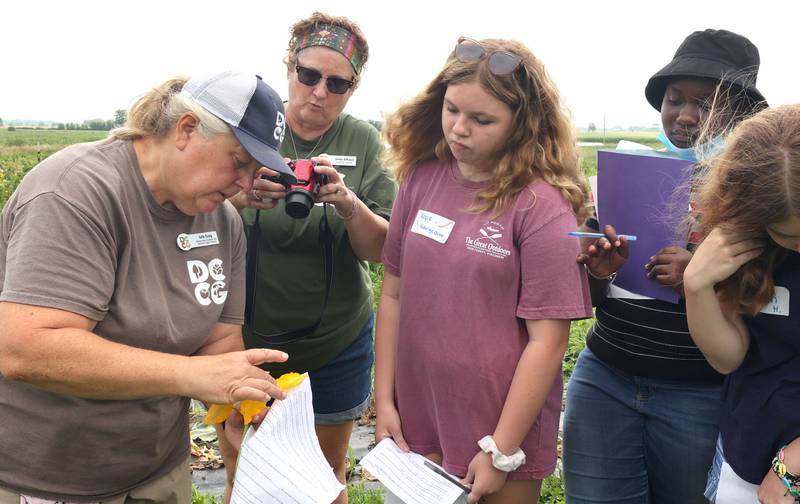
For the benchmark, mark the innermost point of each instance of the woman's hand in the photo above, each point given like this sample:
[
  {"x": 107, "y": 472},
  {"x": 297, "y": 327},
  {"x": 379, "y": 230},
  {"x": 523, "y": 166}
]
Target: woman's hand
[
  {"x": 234, "y": 426},
  {"x": 483, "y": 477},
  {"x": 773, "y": 491},
  {"x": 605, "y": 256},
  {"x": 719, "y": 256},
  {"x": 668, "y": 265},
  {"x": 387, "y": 425},
  {"x": 265, "y": 193},
  {"x": 231, "y": 377},
  {"x": 334, "y": 191}
]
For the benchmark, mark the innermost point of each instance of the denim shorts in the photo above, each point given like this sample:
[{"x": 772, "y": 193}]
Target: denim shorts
[{"x": 341, "y": 388}]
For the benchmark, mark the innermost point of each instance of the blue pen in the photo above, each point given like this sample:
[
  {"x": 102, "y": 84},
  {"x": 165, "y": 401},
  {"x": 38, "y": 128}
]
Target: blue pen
[{"x": 583, "y": 234}]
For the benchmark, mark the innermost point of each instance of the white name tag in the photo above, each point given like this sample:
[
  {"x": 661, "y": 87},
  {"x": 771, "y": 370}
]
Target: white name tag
[
  {"x": 195, "y": 240},
  {"x": 432, "y": 226},
  {"x": 779, "y": 304},
  {"x": 343, "y": 160}
]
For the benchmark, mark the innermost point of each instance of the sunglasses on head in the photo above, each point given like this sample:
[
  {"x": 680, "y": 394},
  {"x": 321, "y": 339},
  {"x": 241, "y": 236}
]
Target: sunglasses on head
[
  {"x": 311, "y": 77},
  {"x": 500, "y": 62}
]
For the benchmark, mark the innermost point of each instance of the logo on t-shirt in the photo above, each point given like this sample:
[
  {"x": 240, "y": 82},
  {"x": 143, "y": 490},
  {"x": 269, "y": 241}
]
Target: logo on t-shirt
[
  {"x": 488, "y": 241},
  {"x": 208, "y": 280}
]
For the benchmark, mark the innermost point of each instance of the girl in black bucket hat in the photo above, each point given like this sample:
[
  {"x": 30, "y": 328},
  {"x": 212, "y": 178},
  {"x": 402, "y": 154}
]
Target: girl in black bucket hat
[
  {"x": 642, "y": 404},
  {"x": 719, "y": 55}
]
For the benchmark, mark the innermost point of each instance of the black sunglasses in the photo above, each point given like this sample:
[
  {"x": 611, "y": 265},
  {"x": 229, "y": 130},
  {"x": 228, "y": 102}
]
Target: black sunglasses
[
  {"x": 311, "y": 77},
  {"x": 500, "y": 62}
]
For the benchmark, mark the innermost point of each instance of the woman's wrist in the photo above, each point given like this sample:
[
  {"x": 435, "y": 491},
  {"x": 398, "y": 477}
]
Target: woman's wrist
[
  {"x": 381, "y": 402},
  {"x": 351, "y": 209},
  {"x": 501, "y": 460},
  {"x": 610, "y": 277},
  {"x": 692, "y": 285},
  {"x": 791, "y": 454}
]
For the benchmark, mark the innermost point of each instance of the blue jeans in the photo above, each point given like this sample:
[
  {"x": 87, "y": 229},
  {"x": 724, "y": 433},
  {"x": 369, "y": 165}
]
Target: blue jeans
[{"x": 635, "y": 440}]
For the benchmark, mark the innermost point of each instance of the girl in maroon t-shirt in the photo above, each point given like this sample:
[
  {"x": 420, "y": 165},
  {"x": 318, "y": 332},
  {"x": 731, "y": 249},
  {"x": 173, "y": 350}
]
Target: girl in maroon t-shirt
[{"x": 480, "y": 282}]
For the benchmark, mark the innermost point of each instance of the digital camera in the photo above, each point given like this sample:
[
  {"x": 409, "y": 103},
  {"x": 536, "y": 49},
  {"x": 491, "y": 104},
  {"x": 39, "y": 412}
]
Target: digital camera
[{"x": 300, "y": 195}]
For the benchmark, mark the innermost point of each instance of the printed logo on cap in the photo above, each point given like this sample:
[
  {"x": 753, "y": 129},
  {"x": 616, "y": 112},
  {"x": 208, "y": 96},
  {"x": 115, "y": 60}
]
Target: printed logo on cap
[{"x": 280, "y": 126}]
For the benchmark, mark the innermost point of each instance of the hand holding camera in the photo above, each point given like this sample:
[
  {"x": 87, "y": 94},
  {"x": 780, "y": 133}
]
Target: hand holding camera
[{"x": 317, "y": 182}]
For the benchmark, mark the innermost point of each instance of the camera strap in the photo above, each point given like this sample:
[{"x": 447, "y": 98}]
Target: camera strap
[{"x": 266, "y": 340}]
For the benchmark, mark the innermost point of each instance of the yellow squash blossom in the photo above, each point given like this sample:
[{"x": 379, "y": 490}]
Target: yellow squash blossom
[{"x": 217, "y": 413}]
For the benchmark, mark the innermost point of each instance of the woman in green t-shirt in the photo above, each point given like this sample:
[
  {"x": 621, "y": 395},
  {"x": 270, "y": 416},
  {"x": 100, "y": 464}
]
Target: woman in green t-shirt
[{"x": 324, "y": 321}]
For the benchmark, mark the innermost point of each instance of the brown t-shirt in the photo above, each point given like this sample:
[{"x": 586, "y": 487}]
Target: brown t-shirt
[{"x": 84, "y": 234}]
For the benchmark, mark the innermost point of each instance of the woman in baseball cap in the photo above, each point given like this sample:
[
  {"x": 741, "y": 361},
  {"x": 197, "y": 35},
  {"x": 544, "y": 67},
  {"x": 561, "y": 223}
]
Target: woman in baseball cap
[
  {"x": 122, "y": 295},
  {"x": 641, "y": 417}
]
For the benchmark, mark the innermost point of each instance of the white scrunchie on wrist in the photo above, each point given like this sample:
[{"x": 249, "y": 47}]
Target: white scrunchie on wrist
[{"x": 505, "y": 463}]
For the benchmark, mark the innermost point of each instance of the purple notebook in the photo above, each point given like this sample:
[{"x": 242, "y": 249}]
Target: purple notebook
[{"x": 644, "y": 193}]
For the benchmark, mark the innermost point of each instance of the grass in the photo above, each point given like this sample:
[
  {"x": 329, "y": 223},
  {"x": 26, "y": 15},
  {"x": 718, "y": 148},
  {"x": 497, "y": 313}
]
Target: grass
[
  {"x": 359, "y": 494},
  {"x": 612, "y": 137},
  {"x": 552, "y": 491},
  {"x": 201, "y": 498}
]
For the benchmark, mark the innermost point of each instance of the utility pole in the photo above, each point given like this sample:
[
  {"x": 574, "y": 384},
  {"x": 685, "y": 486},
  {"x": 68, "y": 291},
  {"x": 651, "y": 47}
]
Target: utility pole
[{"x": 604, "y": 129}]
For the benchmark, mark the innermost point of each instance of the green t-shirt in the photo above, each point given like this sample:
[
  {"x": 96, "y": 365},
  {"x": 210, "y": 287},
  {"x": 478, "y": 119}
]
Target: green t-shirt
[{"x": 290, "y": 288}]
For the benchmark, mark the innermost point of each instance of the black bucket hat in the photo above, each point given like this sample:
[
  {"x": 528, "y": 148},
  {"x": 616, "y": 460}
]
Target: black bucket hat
[{"x": 715, "y": 54}]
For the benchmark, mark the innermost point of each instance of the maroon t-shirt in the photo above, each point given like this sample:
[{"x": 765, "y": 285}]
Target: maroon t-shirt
[{"x": 467, "y": 288}]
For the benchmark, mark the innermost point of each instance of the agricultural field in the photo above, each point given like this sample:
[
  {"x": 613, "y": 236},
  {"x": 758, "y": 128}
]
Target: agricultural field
[
  {"x": 20, "y": 150},
  {"x": 589, "y": 153}
]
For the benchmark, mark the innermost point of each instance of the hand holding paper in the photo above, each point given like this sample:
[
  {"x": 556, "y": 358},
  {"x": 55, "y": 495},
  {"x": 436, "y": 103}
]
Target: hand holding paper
[
  {"x": 667, "y": 267},
  {"x": 405, "y": 474},
  {"x": 282, "y": 462},
  {"x": 646, "y": 194}
]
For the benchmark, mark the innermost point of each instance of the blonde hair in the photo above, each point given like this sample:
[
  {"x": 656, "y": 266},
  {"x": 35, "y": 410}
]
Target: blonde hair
[
  {"x": 752, "y": 183},
  {"x": 541, "y": 144},
  {"x": 311, "y": 23},
  {"x": 156, "y": 112}
]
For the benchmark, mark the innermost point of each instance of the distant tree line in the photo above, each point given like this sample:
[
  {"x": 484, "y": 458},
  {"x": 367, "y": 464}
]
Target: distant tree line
[{"x": 120, "y": 116}]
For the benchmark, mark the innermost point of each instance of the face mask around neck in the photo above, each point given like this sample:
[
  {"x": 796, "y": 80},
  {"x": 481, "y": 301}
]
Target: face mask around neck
[
  {"x": 683, "y": 153},
  {"x": 693, "y": 154}
]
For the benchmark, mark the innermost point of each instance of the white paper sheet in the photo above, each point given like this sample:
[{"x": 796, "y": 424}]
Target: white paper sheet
[
  {"x": 406, "y": 476},
  {"x": 281, "y": 462}
]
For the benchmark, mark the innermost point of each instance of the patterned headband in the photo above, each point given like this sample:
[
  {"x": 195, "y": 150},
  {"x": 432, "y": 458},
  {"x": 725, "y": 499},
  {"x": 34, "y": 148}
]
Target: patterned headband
[{"x": 333, "y": 36}]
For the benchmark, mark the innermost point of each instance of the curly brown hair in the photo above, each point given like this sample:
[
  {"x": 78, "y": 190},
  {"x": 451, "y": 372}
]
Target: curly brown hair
[
  {"x": 312, "y": 23},
  {"x": 542, "y": 141},
  {"x": 752, "y": 183}
]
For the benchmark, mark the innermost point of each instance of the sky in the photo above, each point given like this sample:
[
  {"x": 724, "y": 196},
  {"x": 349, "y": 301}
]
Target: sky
[{"x": 68, "y": 61}]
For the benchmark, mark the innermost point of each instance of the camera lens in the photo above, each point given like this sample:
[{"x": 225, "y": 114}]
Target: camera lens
[{"x": 299, "y": 203}]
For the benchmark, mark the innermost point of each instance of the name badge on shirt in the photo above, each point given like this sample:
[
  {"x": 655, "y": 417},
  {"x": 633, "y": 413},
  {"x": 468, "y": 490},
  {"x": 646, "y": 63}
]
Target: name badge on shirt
[
  {"x": 432, "y": 226},
  {"x": 187, "y": 242},
  {"x": 779, "y": 304},
  {"x": 338, "y": 160}
]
